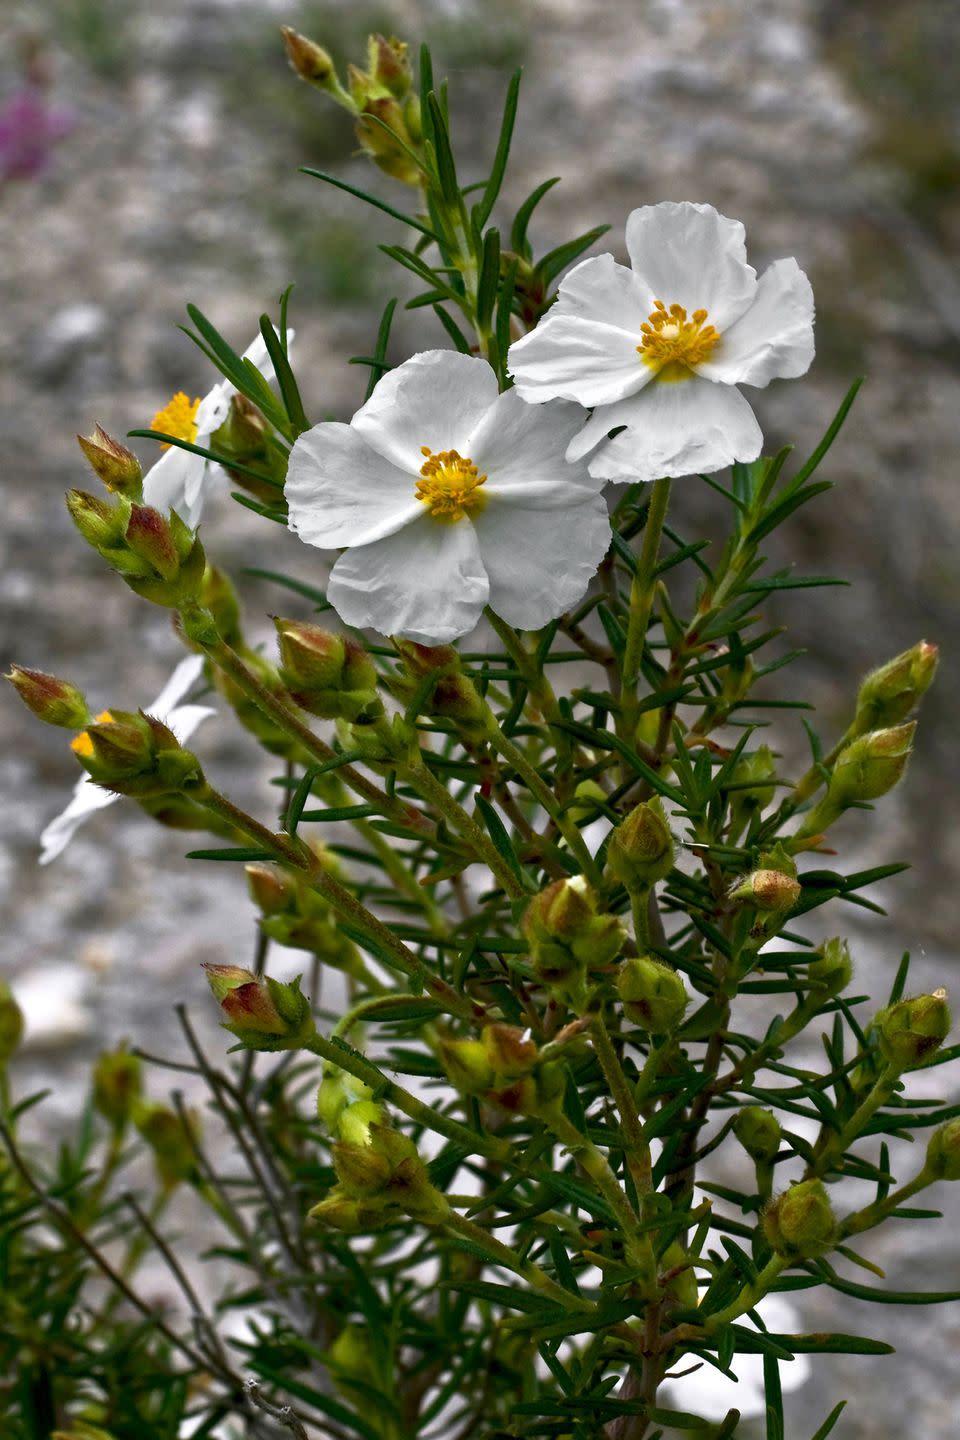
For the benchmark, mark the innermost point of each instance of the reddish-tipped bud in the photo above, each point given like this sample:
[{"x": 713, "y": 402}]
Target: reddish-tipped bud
[
  {"x": 911, "y": 1030},
  {"x": 149, "y": 535},
  {"x": 113, "y": 463},
  {"x": 758, "y": 1131},
  {"x": 328, "y": 675},
  {"x": 641, "y": 848},
  {"x": 889, "y": 693},
  {"x": 467, "y": 1064},
  {"x": 271, "y": 890},
  {"x": 388, "y": 64},
  {"x": 654, "y": 996},
  {"x": 117, "y": 1086},
  {"x": 11, "y": 1024},
  {"x": 264, "y": 1014},
  {"x": 308, "y": 59},
  {"x": 135, "y": 754},
  {"x": 510, "y": 1050},
  {"x": 52, "y": 700},
  {"x": 799, "y": 1224}
]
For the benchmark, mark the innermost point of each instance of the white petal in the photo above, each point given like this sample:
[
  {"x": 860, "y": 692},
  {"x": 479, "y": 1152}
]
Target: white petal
[
  {"x": 87, "y": 798},
  {"x": 568, "y": 357},
  {"x": 165, "y": 483},
  {"x": 213, "y": 410},
  {"x": 541, "y": 562},
  {"x": 426, "y": 582},
  {"x": 604, "y": 419},
  {"x": 520, "y": 448},
  {"x": 680, "y": 428},
  {"x": 774, "y": 339},
  {"x": 181, "y": 682},
  {"x": 436, "y": 398},
  {"x": 599, "y": 289},
  {"x": 341, "y": 492},
  {"x": 691, "y": 255}
]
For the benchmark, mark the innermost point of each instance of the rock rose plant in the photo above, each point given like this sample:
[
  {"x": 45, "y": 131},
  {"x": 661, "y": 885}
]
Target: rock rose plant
[{"x": 526, "y": 1150}]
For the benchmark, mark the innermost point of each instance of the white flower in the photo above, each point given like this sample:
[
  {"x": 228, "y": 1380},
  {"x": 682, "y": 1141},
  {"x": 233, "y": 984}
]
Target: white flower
[
  {"x": 88, "y": 797},
  {"x": 661, "y": 348},
  {"x": 708, "y": 1393},
  {"x": 449, "y": 496},
  {"x": 179, "y": 480}
]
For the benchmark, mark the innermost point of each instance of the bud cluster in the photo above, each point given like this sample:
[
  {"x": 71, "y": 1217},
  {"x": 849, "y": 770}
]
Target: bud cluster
[
  {"x": 568, "y": 937},
  {"x": 799, "y": 1224},
  {"x": 435, "y": 674},
  {"x": 641, "y": 850},
  {"x": 505, "y": 1068},
  {"x": 326, "y": 674},
  {"x": 263, "y": 1013},
  {"x": 159, "y": 558},
  {"x": 293, "y": 914},
  {"x": 136, "y": 754}
]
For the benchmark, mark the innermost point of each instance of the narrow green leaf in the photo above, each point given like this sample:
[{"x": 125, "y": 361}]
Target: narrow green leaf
[
  {"x": 489, "y": 279},
  {"x": 238, "y": 854},
  {"x": 487, "y": 201},
  {"x": 832, "y": 431},
  {"x": 286, "y": 379},
  {"x": 498, "y": 834},
  {"x": 827, "y": 1427},
  {"x": 373, "y": 200},
  {"x": 453, "y": 330},
  {"x": 556, "y": 260},
  {"x": 518, "y": 231},
  {"x": 212, "y": 455}
]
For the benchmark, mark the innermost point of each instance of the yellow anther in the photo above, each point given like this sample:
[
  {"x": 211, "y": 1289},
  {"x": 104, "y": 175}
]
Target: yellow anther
[
  {"x": 449, "y": 484},
  {"x": 83, "y": 745},
  {"x": 178, "y": 417},
  {"x": 674, "y": 345}
]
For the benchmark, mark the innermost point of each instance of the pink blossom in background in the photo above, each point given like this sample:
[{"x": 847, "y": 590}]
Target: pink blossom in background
[{"x": 29, "y": 129}]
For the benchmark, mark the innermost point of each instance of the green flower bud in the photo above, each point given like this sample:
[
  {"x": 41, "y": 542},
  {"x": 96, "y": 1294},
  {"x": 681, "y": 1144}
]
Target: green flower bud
[
  {"x": 135, "y": 754},
  {"x": 510, "y": 1050},
  {"x": 328, "y": 675},
  {"x": 387, "y": 1167},
  {"x": 11, "y": 1024},
  {"x": 264, "y": 1014},
  {"x": 565, "y": 933},
  {"x": 799, "y": 1224},
  {"x": 113, "y": 463},
  {"x": 339, "y": 1211},
  {"x": 641, "y": 848},
  {"x": 831, "y": 972},
  {"x": 117, "y": 1086},
  {"x": 388, "y": 65},
  {"x": 309, "y": 60},
  {"x": 654, "y": 996},
  {"x": 768, "y": 890},
  {"x": 172, "y": 1139},
  {"x": 889, "y": 693},
  {"x": 759, "y": 771},
  {"x": 452, "y": 695},
  {"x": 758, "y": 1131},
  {"x": 101, "y": 525},
  {"x": 943, "y": 1151},
  {"x": 467, "y": 1064},
  {"x": 910, "y": 1031},
  {"x": 338, "y": 1090},
  {"x": 387, "y": 147},
  {"x": 871, "y": 765},
  {"x": 682, "y": 1288},
  {"x": 52, "y": 700},
  {"x": 271, "y": 889}
]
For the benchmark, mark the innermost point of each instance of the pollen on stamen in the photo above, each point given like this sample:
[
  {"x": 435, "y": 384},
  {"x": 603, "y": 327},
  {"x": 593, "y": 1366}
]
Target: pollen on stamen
[
  {"x": 674, "y": 345},
  {"x": 82, "y": 744},
  {"x": 449, "y": 485},
  {"x": 178, "y": 417}
]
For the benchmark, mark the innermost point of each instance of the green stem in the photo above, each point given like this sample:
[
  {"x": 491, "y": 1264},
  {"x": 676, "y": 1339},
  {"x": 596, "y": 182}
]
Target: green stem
[
  {"x": 874, "y": 1214},
  {"x": 642, "y": 590},
  {"x": 501, "y": 1254},
  {"x": 837, "y": 1144},
  {"x": 636, "y": 1148}
]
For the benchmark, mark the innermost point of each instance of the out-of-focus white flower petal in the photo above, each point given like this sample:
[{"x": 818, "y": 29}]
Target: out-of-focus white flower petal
[
  {"x": 426, "y": 582},
  {"x": 521, "y": 449},
  {"x": 691, "y": 255},
  {"x": 571, "y": 357},
  {"x": 213, "y": 410},
  {"x": 773, "y": 340},
  {"x": 436, "y": 398},
  {"x": 708, "y": 1393},
  {"x": 540, "y": 562},
  {"x": 165, "y": 483},
  {"x": 185, "y": 719},
  {"x": 681, "y": 429},
  {"x": 181, "y": 682},
  {"x": 342, "y": 492},
  {"x": 87, "y": 798}
]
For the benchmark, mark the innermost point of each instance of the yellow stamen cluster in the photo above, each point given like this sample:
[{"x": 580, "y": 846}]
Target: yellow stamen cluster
[
  {"x": 450, "y": 484},
  {"x": 83, "y": 745},
  {"x": 673, "y": 345},
  {"x": 178, "y": 417}
]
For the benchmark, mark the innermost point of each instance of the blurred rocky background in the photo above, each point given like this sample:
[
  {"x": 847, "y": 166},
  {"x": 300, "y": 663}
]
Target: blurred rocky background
[{"x": 164, "y": 169}]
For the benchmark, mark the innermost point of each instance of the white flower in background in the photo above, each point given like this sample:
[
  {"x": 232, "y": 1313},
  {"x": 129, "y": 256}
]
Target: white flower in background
[
  {"x": 89, "y": 797},
  {"x": 179, "y": 480},
  {"x": 708, "y": 1393},
  {"x": 448, "y": 496},
  {"x": 660, "y": 348}
]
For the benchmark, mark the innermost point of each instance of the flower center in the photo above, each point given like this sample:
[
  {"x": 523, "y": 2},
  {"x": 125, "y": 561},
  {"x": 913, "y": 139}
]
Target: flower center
[
  {"x": 178, "y": 417},
  {"x": 449, "y": 485},
  {"x": 673, "y": 345},
  {"x": 83, "y": 745}
]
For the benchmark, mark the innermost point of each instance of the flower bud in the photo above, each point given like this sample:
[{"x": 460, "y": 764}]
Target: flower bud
[
  {"x": 381, "y": 129},
  {"x": 135, "y": 754},
  {"x": 943, "y": 1151},
  {"x": 654, "y": 996},
  {"x": 309, "y": 60},
  {"x": 768, "y": 890},
  {"x": 11, "y": 1024},
  {"x": 339, "y": 1211},
  {"x": 272, "y": 890},
  {"x": 911, "y": 1030},
  {"x": 467, "y": 1064},
  {"x": 117, "y": 1086},
  {"x": 682, "y": 1288},
  {"x": 452, "y": 695},
  {"x": 889, "y": 693},
  {"x": 113, "y": 463},
  {"x": 870, "y": 766},
  {"x": 831, "y": 972},
  {"x": 263, "y": 1014},
  {"x": 52, "y": 700},
  {"x": 388, "y": 65},
  {"x": 101, "y": 525},
  {"x": 510, "y": 1050},
  {"x": 757, "y": 773},
  {"x": 338, "y": 1090},
  {"x": 217, "y": 594},
  {"x": 327, "y": 675},
  {"x": 387, "y": 1167},
  {"x": 160, "y": 559},
  {"x": 641, "y": 849},
  {"x": 799, "y": 1224},
  {"x": 758, "y": 1131},
  {"x": 150, "y": 536},
  {"x": 565, "y": 933},
  {"x": 171, "y": 1137}
]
